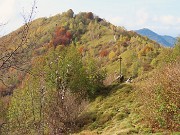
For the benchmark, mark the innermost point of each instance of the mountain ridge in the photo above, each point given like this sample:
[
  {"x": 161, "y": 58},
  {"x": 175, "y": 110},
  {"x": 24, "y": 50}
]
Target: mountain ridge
[{"x": 165, "y": 40}]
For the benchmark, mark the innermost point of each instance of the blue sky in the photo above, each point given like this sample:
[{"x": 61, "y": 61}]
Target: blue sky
[{"x": 162, "y": 16}]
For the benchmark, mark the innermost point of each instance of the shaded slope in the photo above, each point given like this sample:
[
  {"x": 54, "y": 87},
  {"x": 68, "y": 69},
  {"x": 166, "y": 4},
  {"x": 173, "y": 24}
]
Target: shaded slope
[{"x": 170, "y": 39}]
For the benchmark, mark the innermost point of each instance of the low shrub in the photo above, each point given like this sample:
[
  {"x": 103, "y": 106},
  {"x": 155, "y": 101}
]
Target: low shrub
[{"x": 160, "y": 96}]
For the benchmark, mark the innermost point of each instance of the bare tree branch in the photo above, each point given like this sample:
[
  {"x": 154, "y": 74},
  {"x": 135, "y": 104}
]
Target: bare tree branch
[
  {"x": 24, "y": 37},
  {"x": 14, "y": 58}
]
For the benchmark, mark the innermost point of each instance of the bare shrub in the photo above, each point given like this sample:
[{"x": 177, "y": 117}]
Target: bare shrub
[
  {"x": 160, "y": 95},
  {"x": 62, "y": 113},
  {"x": 111, "y": 78}
]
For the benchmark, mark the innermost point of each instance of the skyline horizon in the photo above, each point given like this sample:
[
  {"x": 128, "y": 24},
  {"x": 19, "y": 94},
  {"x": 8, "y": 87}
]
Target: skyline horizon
[
  {"x": 157, "y": 15},
  {"x": 98, "y": 16}
]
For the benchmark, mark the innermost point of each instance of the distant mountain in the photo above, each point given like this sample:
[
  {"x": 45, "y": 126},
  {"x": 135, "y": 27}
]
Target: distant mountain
[{"x": 164, "y": 40}]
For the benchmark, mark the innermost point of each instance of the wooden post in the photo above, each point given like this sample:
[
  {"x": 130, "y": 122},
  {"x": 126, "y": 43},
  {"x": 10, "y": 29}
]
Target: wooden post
[
  {"x": 120, "y": 59},
  {"x": 120, "y": 73}
]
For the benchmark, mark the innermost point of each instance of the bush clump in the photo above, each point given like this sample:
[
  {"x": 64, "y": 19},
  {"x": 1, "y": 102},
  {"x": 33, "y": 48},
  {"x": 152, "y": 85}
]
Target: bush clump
[{"x": 160, "y": 98}]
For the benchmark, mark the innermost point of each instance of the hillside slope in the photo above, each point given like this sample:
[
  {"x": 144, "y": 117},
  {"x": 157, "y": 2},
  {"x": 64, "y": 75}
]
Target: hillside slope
[
  {"x": 117, "y": 113},
  {"x": 114, "y": 113},
  {"x": 93, "y": 37}
]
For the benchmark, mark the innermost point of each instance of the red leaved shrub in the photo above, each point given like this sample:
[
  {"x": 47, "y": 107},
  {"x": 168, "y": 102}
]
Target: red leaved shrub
[
  {"x": 62, "y": 37},
  {"x": 103, "y": 53}
]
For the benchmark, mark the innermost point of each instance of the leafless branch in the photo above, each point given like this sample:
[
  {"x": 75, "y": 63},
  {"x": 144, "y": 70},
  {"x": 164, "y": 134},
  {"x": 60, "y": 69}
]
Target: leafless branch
[
  {"x": 14, "y": 58},
  {"x": 24, "y": 37}
]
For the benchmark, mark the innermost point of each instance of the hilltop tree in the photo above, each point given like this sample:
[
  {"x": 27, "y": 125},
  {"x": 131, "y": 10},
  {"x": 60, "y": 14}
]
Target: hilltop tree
[
  {"x": 70, "y": 13},
  {"x": 90, "y": 16}
]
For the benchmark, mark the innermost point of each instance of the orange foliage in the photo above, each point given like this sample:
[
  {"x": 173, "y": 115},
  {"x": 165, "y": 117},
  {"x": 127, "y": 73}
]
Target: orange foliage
[
  {"x": 2, "y": 87},
  {"x": 103, "y": 53},
  {"x": 68, "y": 34},
  {"x": 144, "y": 51},
  {"x": 20, "y": 77},
  {"x": 12, "y": 70},
  {"x": 147, "y": 49},
  {"x": 62, "y": 37},
  {"x": 81, "y": 49}
]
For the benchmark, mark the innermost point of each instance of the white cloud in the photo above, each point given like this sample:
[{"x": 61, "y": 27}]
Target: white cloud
[
  {"x": 155, "y": 18},
  {"x": 138, "y": 18},
  {"x": 6, "y": 9},
  {"x": 169, "y": 20},
  {"x": 142, "y": 16},
  {"x": 116, "y": 20}
]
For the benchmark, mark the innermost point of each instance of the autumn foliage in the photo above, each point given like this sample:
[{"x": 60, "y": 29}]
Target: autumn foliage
[
  {"x": 81, "y": 49},
  {"x": 62, "y": 37},
  {"x": 160, "y": 96},
  {"x": 103, "y": 53}
]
